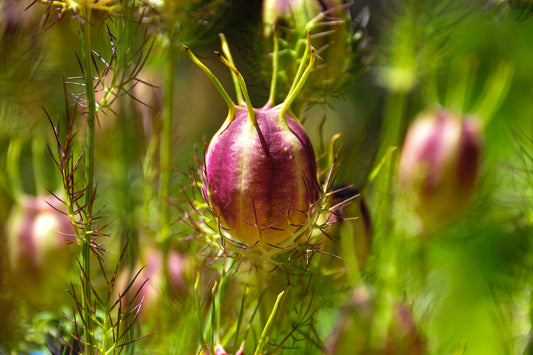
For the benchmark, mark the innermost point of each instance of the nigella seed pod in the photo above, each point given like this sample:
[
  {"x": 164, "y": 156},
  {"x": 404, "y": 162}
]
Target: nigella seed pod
[
  {"x": 439, "y": 164},
  {"x": 260, "y": 175},
  {"x": 145, "y": 286},
  {"x": 40, "y": 254},
  {"x": 354, "y": 330}
]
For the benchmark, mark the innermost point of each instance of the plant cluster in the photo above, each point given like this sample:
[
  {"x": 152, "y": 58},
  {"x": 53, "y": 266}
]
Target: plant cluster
[{"x": 364, "y": 189}]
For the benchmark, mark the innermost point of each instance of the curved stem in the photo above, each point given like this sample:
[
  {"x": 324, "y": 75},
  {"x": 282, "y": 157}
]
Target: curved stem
[
  {"x": 239, "y": 319},
  {"x": 251, "y": 112},
  {"x": 214, "y": 80},
  {"x": 14, "y": 182},
  {"x": 301, "y": 68},
  {"x": 265, "y": 334},
  {"x": 294, "y": 92},
  {"x": 39, "y": 171},
  {"x": 494, "y": 92},
  {"x": 273, "y": 82},
  {"x": 198, "y": 304},
  {"x": 165, "y": 149},
  {"x": 227, "y": 53}
]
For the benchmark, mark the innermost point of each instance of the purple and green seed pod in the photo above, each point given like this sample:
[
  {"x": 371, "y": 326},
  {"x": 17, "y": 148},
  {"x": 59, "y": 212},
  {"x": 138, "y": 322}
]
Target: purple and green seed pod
[
  {"x": 440, "y": 163},
  {"x": 260, "y": 175}
]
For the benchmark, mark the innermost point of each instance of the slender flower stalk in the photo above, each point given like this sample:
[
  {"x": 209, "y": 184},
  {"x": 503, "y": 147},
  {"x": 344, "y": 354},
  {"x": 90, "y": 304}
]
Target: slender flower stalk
[
  {"x": 89, "y": 176},
  {"x": 387, "y": 275},
  {"x": 38, "y": 155},
  {"x": 165, "y": 149}
]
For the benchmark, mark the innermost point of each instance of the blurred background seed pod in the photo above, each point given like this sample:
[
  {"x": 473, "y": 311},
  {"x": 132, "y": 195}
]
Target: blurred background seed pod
[
  {"x": 145, "y": 287},
  {"x": 353, "y": 332},
  {"x": 439, "y": 165},
  {"x": 41, "y": 248},
  {"x": 261, "y": 177}
]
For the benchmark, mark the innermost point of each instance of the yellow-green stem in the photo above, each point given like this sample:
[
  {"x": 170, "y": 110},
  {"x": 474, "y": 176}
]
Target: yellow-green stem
[
  {"x": 301, "y": 67},
  {"x": 387, "y": 240},
  {"x": 215, "y": 81},
  {"x": 14, "y": 181},
  {"x": 239, "y": 321},
  {"x": 273, "y": 82},
  {"x": 227, "y": 53},
  {"x": 38, "y": 161},
  {"x": 297, "y": 85},
  {"x": 125, "y": 150},
  {"x": 265, "y": 334},
  {"x": 165, "y": 150},
  {"x": 199, "y": 317},
  {"x": 244, "y": 90}
]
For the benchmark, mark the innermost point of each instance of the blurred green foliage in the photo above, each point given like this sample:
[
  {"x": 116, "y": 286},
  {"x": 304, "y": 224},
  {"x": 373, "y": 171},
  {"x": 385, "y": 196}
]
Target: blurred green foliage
[{"x": 467, "y": 288}]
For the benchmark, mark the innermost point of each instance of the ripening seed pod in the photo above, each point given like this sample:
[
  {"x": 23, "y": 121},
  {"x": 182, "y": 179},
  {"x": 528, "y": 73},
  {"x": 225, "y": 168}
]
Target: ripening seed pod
[
  {"x": 355, "y": 329},
  {"x": 439, "y": 164},
  {"x": 404, "y": 336},
  {"x": 147, "y": 289},
  {"x": 40, "y": 255},
  {"x": 260, "y": 175}
]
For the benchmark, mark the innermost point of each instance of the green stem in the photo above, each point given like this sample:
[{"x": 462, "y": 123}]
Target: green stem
[
  {"x": 301, "y": 67},
  {"x": 273, "y": 82},
  {"x": 227, "y": 53},
  {"x": 299, "y": 85},
  {"x": 239, "y": 321},
  {"x": 494, "y": 92},
  {"x": 39, "y": 171},
  {"x": 89, "y": 177},
  {"x": 387, "y": 241},
  {"x": 165, "y": 150},
  {"x": 14, "y": 182},
  {"x": 266, "y": 329},
  {"x": 213, "y": 334},
  {"x": 127, "y": 152},
  {"x": 126, "y": 218},
  {"x": 215, "y": 81},
  {"x": 240, "y": 80},
  {"x": 260, "y": 288},
  {"x": 199, "y": 318}
]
